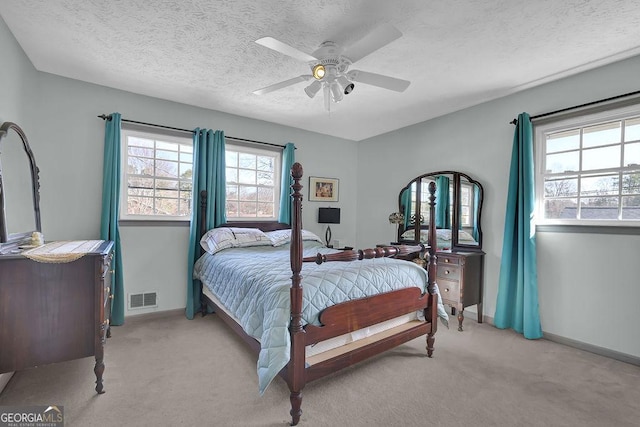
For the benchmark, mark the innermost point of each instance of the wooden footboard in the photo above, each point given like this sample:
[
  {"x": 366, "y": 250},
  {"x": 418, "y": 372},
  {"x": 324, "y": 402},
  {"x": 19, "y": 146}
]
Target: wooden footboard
[
  {"x": 352, "y": 315},
  {"x": 362, "y": 313}
]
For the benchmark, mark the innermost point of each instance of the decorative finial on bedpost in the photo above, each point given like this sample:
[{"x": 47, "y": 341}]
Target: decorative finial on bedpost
[
  {"x": 296, "y": 380},
  {"x": 296, "y": 171}
]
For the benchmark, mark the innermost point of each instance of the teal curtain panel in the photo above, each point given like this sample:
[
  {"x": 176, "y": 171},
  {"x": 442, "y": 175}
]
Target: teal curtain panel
[
  {"x": 476, "y": 212},
  {"x": 288, "y": 159},
  {"x": 405, "y": 201},
  {"x": 443, "y": 202},
  {"x": 517, "y": 301},
  {"x": 208, "y": 174},
  {"x": 110, "y": 210}
]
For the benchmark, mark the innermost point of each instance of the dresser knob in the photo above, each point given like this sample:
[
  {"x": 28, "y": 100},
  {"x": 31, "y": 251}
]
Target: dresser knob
[
  {"x": 107, "y": 290},
  {"x": 446, "y": 289},
  {"x": 447, "y": 272},
  {"x": 446, "y": 260}
]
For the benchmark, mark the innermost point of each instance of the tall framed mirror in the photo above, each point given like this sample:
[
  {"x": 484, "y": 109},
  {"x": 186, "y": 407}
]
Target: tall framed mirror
[
  {"x": 19, "y": 189},
  {"x": 458, "y": 207}
]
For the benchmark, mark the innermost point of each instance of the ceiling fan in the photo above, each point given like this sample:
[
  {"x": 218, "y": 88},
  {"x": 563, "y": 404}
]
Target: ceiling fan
[{"x": 330, "y": 66}]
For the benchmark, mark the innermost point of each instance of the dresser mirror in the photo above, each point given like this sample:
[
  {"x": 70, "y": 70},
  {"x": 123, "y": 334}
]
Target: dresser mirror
[
  {"x": 458, "y": 210},
  {"x": 19, "y": 189}
]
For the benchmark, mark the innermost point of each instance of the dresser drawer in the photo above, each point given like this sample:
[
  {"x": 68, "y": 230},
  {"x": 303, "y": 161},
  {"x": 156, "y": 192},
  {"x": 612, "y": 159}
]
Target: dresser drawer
[
  {"x": 448, "y": 272},
  {"x": 450, "y": 291},
  {"x": 448, "y": 259}
]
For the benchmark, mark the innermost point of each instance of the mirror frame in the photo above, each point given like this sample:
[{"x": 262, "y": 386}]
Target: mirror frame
[
  {"x": 14, "y": 239},
  {"x": 457, "y": 179}
]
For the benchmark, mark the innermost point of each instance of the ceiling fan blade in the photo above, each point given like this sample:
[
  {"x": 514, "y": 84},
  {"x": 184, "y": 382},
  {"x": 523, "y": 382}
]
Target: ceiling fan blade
[
  {"x": 284, "y": 48},
  {"x": 380, "y": 36},
  {"x": 282, "y": 85},
  {"x": 379, "y": 80}
]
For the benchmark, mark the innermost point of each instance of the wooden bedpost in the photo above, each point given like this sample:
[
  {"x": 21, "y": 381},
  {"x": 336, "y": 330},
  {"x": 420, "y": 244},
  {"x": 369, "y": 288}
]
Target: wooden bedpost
[
  {"x": 432, "y": 269},
  {"x": 296, "y": 368}
]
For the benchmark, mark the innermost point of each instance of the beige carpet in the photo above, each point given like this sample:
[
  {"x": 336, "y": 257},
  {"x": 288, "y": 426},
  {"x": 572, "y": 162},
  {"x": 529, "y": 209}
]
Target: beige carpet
[{"x": 169, "y": 371}]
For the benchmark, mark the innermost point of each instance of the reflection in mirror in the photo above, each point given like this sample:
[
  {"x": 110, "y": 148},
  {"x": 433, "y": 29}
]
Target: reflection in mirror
[
  {"x": 457, "y": 210},
  {"x": 19, "y": 197},
  {"x": 469, "y": 231}
]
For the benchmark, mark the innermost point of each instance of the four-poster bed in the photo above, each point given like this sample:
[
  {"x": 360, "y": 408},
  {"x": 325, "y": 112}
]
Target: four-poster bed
[{"x": 330, "y": 328}]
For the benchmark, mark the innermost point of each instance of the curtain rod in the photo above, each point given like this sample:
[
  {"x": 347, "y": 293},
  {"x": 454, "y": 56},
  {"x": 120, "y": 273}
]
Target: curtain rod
[
  {"x": 108, "y": 117},
  {"x": 575, "y": 107}
]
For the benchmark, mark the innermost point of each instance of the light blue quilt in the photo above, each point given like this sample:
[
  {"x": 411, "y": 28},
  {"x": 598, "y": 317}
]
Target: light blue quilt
[{"x": 253, "y": 285}]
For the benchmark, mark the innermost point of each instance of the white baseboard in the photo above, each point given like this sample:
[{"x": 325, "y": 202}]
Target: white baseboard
[{"x": 601, "y": 351}]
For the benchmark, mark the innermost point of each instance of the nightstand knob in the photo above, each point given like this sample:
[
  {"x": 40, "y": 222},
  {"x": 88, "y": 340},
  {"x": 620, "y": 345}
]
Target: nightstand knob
[
  {"x": 447, "y": 272},
  {"x": 446, "y": 260},
  {"x": 446, "y": 289}
]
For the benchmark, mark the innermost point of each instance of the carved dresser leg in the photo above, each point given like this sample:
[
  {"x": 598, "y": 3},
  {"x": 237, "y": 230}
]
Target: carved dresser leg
[
  {"x": 98, "y": 369},
  {"x": 460, "y": 319}
]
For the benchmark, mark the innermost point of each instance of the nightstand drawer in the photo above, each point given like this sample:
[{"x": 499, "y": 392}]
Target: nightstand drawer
[
  {"x": 450, "y": 291},
  {"x": 449, "y": 272}
]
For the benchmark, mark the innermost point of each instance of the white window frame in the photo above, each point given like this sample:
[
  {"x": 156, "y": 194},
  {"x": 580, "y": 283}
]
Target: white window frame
[
  {"x": 158, "y": 135},
  {"x": 570, "y": 123},
  {"x": 276, "y": 153}
]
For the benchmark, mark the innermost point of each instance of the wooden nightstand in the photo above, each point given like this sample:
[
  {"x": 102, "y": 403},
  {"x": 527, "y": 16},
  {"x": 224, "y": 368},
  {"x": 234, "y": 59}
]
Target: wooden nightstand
[{"x": 460, "y": 278}]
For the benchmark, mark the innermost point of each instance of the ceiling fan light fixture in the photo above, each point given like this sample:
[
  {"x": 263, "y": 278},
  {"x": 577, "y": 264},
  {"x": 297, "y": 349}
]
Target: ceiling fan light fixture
[
  {"x": 347, "y": 86},
  {"x": 336, "y": 91},
  {"x": 318, "y": 71},
  {"x": 313, "y": 88},
  {"x": 329, "y": 66}
]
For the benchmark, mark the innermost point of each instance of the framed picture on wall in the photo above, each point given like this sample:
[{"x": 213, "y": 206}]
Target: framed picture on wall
[{"x": 323, "y": 189}]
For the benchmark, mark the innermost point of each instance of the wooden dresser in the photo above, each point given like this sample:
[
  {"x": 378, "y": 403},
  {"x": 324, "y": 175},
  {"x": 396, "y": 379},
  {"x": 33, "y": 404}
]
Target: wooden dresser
[
  {"x": 54, "y": 312},
  {"x": 460, "y": 279}
]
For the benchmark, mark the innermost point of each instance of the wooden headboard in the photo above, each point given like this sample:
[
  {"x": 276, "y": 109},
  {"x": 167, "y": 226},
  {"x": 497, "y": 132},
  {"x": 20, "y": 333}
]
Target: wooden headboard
[{"x": 262, "y": 225}]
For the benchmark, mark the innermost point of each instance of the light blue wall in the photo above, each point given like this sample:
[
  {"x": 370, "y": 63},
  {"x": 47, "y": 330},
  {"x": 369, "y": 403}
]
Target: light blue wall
[
  {"x": 588, "y": 282},
  {"x": 67, "y": 138},
  {"x": 18, "y": 79}
]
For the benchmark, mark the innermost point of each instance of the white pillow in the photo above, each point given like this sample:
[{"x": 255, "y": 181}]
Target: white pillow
[
  {"x": 441, "y": 234},
  {"x": 408, "y": 235},
  {"x": 282, "y": 237},
  {"x": 463, "y": 236},
  {"x": 221, "y": 238}
]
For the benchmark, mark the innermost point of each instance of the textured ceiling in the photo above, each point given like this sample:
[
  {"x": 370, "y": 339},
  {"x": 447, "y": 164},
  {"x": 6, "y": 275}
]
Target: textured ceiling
[{"x": 455, "y": 53}]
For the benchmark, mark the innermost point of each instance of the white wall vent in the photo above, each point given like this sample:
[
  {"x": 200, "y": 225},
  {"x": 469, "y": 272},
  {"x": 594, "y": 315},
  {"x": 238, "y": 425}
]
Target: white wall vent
[{"x": 143, "y": 300}]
